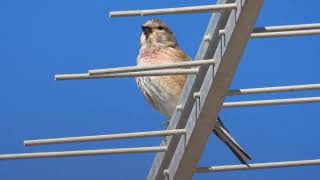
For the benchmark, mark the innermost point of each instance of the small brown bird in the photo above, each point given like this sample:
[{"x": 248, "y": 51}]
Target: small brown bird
[{"x": 159, "y": 46}]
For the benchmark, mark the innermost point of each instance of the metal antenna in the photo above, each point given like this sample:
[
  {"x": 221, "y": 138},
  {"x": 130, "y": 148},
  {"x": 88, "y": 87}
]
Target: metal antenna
[{"x": 209, "y": 78}]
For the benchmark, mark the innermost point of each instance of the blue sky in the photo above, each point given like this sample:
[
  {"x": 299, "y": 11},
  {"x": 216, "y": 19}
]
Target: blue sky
[{"x": 40, "y": 38}]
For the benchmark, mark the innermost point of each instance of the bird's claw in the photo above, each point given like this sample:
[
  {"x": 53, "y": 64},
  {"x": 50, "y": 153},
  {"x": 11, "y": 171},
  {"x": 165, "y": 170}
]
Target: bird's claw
[{"x": 164, "y": 126}]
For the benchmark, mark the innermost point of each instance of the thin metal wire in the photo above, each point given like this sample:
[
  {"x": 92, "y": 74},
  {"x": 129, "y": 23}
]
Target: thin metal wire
[
  {"x": 104, "y": 137},
  {"x": 180, "y": 10},
  {"x": 151, "y": 67},
  {"x": 284, "y": 164},
  {"x": 82, "y": 153},
  {"x": 129, "y": 74},
  {"x": 294, "y": 27},
  {"x": 271, "y": 102},
  {"x": 273, "y": 89},
  {"x": 285, "y": 33}
]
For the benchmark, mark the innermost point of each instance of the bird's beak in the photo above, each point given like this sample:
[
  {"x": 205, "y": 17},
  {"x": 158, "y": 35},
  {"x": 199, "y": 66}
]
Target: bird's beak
[{"x": 146, "y": 30}]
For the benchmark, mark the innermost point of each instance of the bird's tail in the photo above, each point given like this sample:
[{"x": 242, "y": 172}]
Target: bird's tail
[{"x": 223, "y": 134}]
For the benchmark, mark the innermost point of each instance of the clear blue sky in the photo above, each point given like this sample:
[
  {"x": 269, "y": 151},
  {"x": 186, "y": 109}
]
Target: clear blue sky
[{"x": 39, "y": 38}]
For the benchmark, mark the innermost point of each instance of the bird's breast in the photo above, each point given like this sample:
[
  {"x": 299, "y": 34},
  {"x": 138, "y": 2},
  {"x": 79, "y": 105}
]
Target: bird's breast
[{"x": 162, "y": 92}]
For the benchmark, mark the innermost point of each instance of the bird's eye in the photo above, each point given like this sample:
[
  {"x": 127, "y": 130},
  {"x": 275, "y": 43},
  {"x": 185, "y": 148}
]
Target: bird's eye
[{"x": 160, "y": 28}]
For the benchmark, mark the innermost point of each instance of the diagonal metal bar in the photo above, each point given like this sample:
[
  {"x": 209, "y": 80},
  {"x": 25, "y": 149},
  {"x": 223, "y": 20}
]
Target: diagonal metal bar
[
  {"x": 206, "y": 50},
  {"x": 215, "y": 86},
  {"x": 151, "y": 67},
  {"x": 82, "y": 153},
  {"x": 255, "y": 166},
  {"x": 180, "y": 10},
  {"x": 104, "y": 137}
]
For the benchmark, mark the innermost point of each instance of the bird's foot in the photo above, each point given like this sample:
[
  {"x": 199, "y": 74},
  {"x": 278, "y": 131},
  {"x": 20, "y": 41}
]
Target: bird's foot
[{"x": 164, "y": 126}]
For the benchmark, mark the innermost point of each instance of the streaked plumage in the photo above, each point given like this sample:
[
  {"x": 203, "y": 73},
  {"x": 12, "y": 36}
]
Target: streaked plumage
[
  {"x": 159, "y": 46},
  {"x": 162, "y": 92}
]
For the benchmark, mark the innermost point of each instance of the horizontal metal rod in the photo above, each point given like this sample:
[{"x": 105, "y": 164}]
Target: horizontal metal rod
[
  {"x": 287, "y": 28},
  {"x": 167, "y": 72},
  {"x": 271, "y": 102},
  {"x": 104, "y": 137},
  {"x": 285, "y": 33},
  {"x": 180, "y": 10},
  {"x": 82, "y": 153},
  {"x": 274, "y": 89},
  {"x": 151, "y": 67},
  {"x": 284, "y": 164}
]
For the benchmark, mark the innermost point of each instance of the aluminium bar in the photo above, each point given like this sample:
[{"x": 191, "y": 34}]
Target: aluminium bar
[
  {"x": 216, "y": 83},
  {"x": 271, "y": 102},
  {"x": 255, "y": 166},
  {"x": 104, "y": 137},
  {"x": 129, "y": 74},
  {"x": 207, "y": 47},
  {"x": 82, "y": 153},
  {"x": 151, "y": 67},
  {"x": 286, "y": 28},
  {"x": 311, "y": 32},
  {"x": 274, "y": 89},
  {"x": 179, "y": 10}
]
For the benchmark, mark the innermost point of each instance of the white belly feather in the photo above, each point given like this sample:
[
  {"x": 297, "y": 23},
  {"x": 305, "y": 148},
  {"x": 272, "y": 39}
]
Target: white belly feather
[{"x": 157, "y": 93}]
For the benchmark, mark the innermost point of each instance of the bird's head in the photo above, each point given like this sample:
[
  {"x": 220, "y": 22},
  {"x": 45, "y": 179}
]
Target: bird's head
[{"x": 157, "y": 34}]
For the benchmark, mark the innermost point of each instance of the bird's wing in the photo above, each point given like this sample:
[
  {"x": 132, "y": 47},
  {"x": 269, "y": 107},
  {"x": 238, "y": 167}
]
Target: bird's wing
[{"x": 177, "y": 54}]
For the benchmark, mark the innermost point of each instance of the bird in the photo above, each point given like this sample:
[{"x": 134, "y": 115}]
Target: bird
[{"x": 158, "y": 45}]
